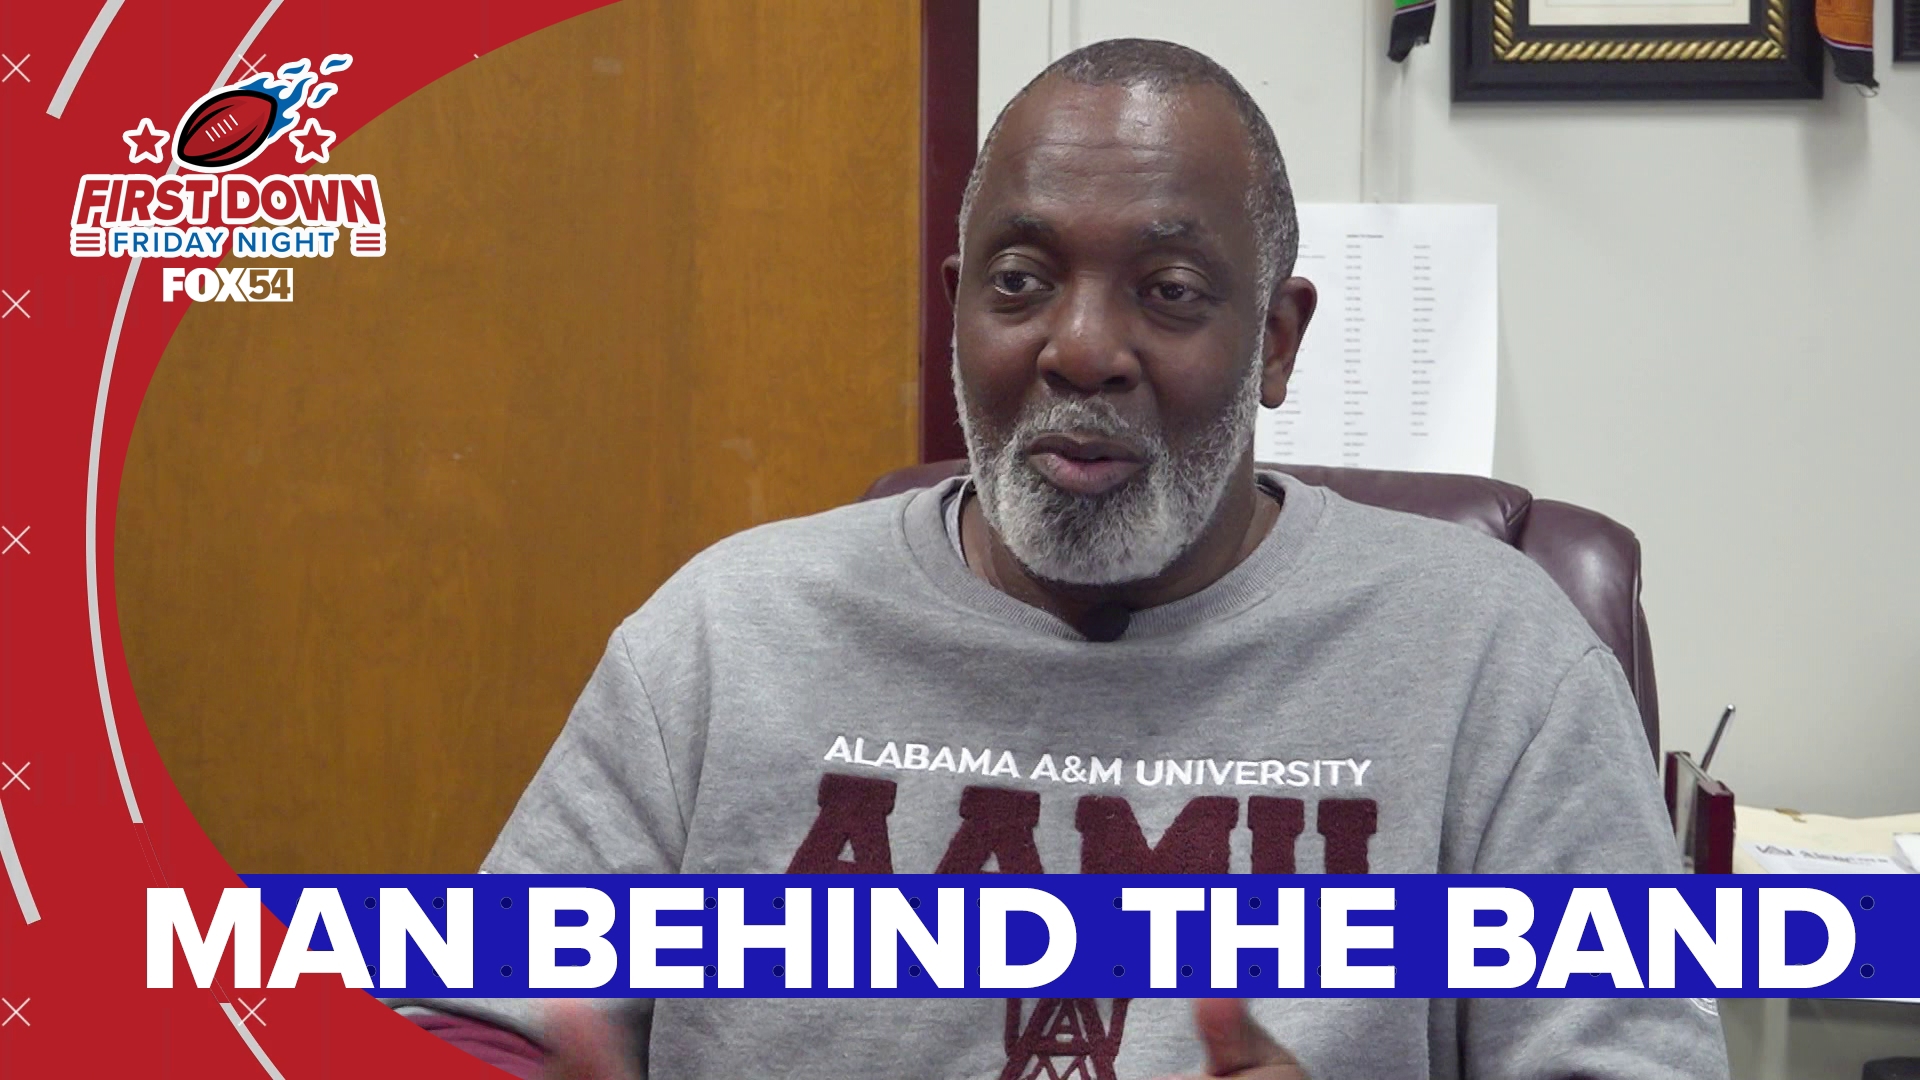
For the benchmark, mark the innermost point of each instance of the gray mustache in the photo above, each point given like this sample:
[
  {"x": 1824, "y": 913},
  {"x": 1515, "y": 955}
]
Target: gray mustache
[{"x": 1090, "y": 417}]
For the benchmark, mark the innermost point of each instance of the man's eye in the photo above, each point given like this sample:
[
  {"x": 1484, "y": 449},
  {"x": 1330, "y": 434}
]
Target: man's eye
[
  {"x": 1016, "y": 282},
  {"x": 1173, "y": 292}
]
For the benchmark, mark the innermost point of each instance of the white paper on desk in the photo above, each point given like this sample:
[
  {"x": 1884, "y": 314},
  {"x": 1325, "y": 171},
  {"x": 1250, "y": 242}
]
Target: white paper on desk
[
  {"x": 1397, "y": 369},
  {"x": 1778, "y": 859},
  {"x": 1907, "y": 846}
]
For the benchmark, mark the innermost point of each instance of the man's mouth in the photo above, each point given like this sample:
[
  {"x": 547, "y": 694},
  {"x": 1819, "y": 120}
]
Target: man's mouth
[{"x": 1083, "y": 465}]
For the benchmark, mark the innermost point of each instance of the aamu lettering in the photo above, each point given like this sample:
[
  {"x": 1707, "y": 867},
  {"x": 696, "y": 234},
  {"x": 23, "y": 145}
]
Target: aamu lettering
[{"x": 850, "y": 833}]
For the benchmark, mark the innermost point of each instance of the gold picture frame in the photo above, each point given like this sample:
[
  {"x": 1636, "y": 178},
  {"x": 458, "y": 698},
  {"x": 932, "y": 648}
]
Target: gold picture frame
[{"x": 1499, "y": 54}]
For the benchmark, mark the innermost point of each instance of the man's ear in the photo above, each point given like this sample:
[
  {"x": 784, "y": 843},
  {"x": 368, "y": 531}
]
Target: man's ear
[
  {"x": 1288, "y": 314},
  {"x": 950, "y": 273}
]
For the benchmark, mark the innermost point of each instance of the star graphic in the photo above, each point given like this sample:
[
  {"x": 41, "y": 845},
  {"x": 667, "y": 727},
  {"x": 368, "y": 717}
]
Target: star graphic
[
  {"x": 137, "y": 139},
  {"x": 311, "y": 130}
]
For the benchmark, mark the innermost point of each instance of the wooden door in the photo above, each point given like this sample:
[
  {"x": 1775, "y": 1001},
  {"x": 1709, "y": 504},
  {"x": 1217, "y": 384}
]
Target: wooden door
[{"x": 651, "y": 280}]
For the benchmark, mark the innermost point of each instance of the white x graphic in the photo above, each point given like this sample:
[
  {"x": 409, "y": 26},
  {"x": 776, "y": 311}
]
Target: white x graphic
[
  {"x": 253, "y": 1011},
  {"x": 252, "y": 70},
  {"x": 16, "y": 777},
  {"x": 15, "y": 1013},
  {"x": 14, "y": 66},
  {"x": 16, "y": 539},
  {"x": 13, "y": 303}
]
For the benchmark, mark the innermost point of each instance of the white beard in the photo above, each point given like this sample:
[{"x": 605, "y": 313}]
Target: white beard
[{"x": 1134, "y": 531}]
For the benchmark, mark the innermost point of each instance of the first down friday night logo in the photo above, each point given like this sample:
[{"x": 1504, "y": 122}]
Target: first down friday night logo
[{"x": 200, "y": 208}]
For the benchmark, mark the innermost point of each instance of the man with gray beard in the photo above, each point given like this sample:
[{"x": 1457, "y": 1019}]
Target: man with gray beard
[
  {"x": 1073, "y": 531},
  {"x": 1115, "y": 581}
]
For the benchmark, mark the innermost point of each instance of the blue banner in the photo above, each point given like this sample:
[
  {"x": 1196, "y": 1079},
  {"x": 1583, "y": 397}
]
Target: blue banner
[{"x": 1091, "y": 936}]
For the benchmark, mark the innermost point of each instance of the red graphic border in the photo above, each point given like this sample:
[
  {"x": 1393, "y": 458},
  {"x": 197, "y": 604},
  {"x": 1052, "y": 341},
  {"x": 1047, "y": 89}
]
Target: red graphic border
[{"x": 73, "y": 996}]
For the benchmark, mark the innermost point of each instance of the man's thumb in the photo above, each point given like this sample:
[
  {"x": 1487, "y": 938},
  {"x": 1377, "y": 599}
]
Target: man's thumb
[{"x": 1234, "y": 1042}]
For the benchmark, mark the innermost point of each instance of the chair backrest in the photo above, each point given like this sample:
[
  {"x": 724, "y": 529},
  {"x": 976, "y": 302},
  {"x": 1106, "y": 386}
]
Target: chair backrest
[{"x": 1594, "y": 558}]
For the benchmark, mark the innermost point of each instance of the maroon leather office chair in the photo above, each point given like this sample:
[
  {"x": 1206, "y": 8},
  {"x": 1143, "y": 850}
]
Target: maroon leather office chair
[{"x": 1594, "y": 558}]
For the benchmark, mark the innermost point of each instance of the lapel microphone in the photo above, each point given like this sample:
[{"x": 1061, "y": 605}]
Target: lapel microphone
[{"x": 1107, "y": 622}]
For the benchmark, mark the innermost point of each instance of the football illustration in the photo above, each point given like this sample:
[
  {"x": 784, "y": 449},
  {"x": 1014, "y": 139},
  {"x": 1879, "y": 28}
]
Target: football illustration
[{"x": 226, "y": 130}]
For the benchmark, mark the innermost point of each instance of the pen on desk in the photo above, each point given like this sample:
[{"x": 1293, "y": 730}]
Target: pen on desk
[{"x": 1719, "y": 729}]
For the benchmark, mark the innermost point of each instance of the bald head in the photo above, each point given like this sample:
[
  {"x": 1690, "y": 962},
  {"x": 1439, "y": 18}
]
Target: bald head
[{"x": 1161, "y": 69}]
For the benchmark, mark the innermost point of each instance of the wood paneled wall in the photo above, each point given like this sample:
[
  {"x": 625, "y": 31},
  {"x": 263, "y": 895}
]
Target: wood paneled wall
[{"x": 651, "y": 280}]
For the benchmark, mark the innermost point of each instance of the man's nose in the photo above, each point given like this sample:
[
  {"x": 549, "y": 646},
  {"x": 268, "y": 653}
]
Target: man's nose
[{"x": 1087, "y": 350}]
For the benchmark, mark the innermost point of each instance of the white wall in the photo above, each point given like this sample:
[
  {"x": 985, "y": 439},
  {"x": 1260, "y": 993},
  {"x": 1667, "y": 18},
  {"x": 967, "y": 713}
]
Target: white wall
[{"x": 1703, "y": 319}]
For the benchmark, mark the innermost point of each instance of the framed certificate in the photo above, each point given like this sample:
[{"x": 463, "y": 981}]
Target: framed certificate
[{"x": 1612, "y": 50}]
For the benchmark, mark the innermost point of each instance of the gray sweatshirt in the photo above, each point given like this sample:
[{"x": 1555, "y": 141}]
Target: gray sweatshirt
[{"x": 1369, "y": 692}]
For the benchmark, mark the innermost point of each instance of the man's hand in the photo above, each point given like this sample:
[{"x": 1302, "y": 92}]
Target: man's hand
[
  {"x": 582, "y": 1044},
  {"x": 1238, "y": 1047}
]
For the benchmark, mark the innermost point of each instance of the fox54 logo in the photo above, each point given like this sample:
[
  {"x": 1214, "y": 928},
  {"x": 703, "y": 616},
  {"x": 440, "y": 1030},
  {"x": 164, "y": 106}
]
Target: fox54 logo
[{"x": 222, "y": 283}]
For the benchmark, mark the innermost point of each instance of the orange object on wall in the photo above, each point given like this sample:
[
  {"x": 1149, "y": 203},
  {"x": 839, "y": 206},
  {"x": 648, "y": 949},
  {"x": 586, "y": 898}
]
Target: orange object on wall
[{"x": 1847, "y": 28}]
